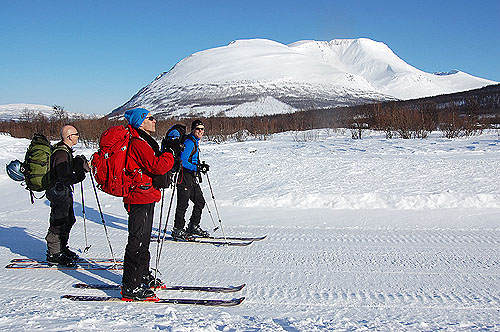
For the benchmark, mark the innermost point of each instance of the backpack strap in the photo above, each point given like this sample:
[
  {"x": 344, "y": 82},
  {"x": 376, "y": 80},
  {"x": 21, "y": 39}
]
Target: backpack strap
[
  {"x": 63, "y": 147},
  {"x": 54, "y": 149},
  {"x": 137, "y": 170},
  {"x": 195, "y": 149}
]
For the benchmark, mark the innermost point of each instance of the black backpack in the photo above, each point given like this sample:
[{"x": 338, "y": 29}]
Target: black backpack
[{"x": 175, "y": 135}]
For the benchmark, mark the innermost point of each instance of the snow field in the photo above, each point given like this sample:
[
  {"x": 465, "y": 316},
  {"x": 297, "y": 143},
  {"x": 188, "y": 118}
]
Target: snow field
[{"x": 362, "y": 235}]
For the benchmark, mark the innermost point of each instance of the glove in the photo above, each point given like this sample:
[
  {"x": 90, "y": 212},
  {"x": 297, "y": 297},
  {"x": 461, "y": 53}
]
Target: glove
[
  {"x": 204, "y": 168},
  {"x": 172, "y": 145},
  {"x": 81, "y": 156},
  {"x": 82, "y": 163}
]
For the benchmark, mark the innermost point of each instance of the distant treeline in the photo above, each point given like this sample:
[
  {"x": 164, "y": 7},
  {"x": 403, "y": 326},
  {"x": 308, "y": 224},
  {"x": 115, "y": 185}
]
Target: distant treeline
[{"x": 455, "y": 115}]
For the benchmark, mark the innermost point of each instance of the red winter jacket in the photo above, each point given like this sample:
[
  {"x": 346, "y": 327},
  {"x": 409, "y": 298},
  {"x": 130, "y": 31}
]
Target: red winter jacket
[{"x": 142, "y": 163}]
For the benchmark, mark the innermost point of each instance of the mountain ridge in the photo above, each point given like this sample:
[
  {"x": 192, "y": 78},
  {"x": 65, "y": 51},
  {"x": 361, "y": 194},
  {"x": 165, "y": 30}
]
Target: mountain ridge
[{"x": 302, "y": 75}]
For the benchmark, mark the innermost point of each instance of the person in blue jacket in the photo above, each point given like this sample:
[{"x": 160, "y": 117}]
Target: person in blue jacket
[{"x": 188, "y": 187}]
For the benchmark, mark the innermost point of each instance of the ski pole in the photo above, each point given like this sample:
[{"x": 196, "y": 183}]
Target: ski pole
[
  {"x": 216, "y": 209},
  {"x": 159, "y": 232},
  {"x": 164, "y": 234},
  {"x": 102, "y": 220},
  {"x": 161, "y": 215},
  {"x": 87, "y": 246},
  {"x": 212, "y": 218}
]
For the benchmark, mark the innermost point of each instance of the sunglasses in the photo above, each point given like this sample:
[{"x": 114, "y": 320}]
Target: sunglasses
[
  {"x": 151, "y": 118},
  {"x": 200, "y": 128}
]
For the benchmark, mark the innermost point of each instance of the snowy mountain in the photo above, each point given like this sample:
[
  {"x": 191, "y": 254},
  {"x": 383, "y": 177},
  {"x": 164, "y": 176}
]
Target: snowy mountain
[
  {"x": 15, "y": 112},
  {"x": 260, "y": 76}
]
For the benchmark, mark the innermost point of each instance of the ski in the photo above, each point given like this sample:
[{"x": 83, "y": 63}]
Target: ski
[
  {"x": 202, "y": 302},
  {"x": 80, "y": 260},
  {"x": 236, "y": 238},
  {"x": 78, "y": 266},
  {"x": 216, "y": 242},
  {"x": 230, "y": 289},
  {"x": 229, "y": 238}
]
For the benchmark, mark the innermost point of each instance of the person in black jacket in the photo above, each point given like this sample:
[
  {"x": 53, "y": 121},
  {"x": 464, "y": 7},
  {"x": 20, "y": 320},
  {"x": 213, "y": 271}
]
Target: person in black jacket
[{"x": 65, "y": 171}]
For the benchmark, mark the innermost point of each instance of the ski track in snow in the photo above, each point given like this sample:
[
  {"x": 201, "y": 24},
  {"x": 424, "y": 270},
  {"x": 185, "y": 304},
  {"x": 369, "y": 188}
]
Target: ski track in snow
[{"x": 378, "y": 265}]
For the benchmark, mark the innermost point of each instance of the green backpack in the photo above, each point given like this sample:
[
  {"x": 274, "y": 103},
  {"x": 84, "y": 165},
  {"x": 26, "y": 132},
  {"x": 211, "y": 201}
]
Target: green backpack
[{"x": 37, "y": 164}]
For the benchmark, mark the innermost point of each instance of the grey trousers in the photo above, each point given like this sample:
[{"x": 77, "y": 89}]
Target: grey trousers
[{"x": 62, "y": 217}]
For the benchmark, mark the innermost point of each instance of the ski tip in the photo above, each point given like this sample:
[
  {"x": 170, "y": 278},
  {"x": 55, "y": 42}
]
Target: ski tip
[{"x": 71, "y": 297}]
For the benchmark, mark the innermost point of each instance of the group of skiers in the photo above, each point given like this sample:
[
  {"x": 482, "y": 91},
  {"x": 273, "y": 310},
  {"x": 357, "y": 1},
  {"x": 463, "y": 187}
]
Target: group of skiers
[{"x": 144, "y": 162}]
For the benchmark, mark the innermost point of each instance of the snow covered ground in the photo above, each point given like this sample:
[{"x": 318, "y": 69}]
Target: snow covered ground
[{"x": 369, "y": 234}]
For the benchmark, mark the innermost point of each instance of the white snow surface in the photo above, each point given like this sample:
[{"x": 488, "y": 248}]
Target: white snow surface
[
  {"x": 264, "y": 105},
  {"x": 14, "y": 112},
  {"x": 363, "y": 235}
]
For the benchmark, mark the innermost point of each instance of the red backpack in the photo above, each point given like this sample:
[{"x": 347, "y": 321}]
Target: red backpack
[{"x": 108, "y": 163}]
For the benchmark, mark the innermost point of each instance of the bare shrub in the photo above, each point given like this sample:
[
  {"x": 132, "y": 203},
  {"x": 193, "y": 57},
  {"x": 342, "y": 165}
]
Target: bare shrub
[
  {"x": 453, "y": 125},
  {"x": 406, "y": 123},
  {"x": 305, "y": 136}
]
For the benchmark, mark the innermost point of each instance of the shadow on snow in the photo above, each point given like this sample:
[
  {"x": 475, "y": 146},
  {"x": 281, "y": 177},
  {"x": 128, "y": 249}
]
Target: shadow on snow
[{"x": 21, "y": 243}]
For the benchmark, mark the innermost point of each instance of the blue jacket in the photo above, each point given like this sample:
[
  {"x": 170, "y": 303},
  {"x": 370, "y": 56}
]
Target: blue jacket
[{"x": 189, "y": 147}]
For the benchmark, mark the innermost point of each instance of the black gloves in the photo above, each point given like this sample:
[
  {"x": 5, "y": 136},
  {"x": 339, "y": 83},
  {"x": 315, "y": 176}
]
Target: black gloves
[
  {"x": 172, "y": 145},
  {"x": 204, "y": 168},
  {"x": 81, "y": 162}
]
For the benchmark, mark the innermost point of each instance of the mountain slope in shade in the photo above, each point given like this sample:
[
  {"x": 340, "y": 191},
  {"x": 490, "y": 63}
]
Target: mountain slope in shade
[{"x": 304, "y": 74}]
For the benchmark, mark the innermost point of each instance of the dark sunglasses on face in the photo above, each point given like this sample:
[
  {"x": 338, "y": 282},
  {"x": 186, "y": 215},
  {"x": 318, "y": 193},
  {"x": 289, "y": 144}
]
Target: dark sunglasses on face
[
  {"x": 151, "y": 118},
  {"x": 200, "y": 128}
]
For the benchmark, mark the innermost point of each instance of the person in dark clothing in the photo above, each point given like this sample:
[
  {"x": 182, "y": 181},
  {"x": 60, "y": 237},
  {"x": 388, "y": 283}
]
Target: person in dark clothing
[
  {"x": 144, "y": 162},
  {"x": 188, "y": 188},
  {"x": 65, "y": 171}
]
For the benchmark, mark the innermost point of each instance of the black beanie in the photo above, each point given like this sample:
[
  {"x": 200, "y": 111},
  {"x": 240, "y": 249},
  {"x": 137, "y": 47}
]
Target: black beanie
[{"x": 195, "y": 124}]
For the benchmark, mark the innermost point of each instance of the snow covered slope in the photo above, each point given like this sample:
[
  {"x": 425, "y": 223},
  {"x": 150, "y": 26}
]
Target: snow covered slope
[
  {"x": 362, "y": 235},
  {"x": 15, "y": 112},
  {"x": 301, "y": 75},
  {"x": 385, "y": 71}
]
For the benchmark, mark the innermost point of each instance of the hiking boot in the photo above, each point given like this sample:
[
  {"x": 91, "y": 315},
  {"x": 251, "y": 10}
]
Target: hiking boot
[
  {"x": 70, "y": 254},
  {"x": 60, "y": 259},
  {"x": 180, "y": 235},
  {"x": 196, "y": 230},
  {"x": 150, "y": 282},
  {"x": 139, "y": 293}
]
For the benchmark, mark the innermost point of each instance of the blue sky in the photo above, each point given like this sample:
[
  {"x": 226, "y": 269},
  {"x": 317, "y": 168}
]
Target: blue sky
[{"x": 92, "y": 56}]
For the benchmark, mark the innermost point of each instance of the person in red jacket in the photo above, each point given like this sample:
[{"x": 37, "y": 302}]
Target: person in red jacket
[{"x": 144, "y": 162}]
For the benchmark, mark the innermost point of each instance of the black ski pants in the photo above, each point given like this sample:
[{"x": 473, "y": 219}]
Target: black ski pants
[
  {"x": 188, "y": 189},
  {"x": 62, "y": 217},
  {"x": 136, "y": 260}
]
